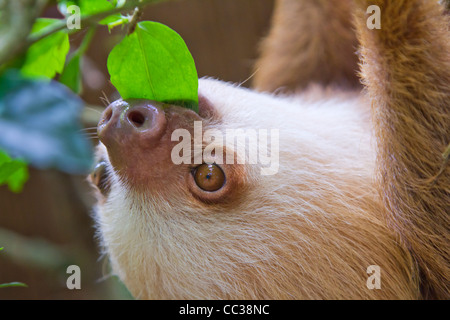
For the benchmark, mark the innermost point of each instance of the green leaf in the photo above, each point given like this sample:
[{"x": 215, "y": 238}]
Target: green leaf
[
  {"x": 17, "y": 180},
  {"x": 91, "y": 7},
  {"x": 12, "y": 172},
  {"x": 39, "y": 122},
  {"x": 71, "y": 76},
  {"x": 13, "y": 284},
  {"x": 114, "y": 21},
  {"x": 154, "y": 63},
  {"x": 46, "y": 57},
  {"x": 87, "y": 7}
]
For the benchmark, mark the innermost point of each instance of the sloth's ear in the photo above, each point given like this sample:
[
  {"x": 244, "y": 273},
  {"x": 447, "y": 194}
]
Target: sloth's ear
[{"x": 100, "y": 178}]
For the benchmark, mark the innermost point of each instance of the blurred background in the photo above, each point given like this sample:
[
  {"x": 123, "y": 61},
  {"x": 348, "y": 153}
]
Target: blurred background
[{"x": 49, "y": 225}]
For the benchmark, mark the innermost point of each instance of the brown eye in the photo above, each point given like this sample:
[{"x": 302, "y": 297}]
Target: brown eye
[
  {"x": 209, "y": 177},
  {"x": 99, "y": 178}
]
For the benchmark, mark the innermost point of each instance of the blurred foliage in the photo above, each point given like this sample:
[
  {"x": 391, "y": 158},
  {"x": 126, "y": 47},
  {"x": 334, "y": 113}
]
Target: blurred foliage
[
  {"x": 13, "y": 172},
  {"x": 46, "y": 57},
  {"x": 40, "y": 123},
  {"x": 40, "y": 116},
  {"x": 40, "y": 120},
  {"x": 11, "y": 284},
  {"x": 37, "y": 252}
]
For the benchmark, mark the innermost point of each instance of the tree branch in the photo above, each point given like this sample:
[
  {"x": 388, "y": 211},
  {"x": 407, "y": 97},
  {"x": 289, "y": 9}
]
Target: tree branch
[
  {"x": 17, "y": 20},
  {"x": 16, "y": 45},
  {"x": 134, "y": 20}
]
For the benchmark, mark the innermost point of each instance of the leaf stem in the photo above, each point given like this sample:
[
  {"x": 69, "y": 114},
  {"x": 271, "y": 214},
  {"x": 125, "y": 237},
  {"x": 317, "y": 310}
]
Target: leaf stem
[{"x": 86, "y": 41}]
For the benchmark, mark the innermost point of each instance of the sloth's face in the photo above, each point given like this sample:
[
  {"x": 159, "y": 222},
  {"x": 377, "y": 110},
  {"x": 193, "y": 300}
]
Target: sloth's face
[{"x": 139, "y": 148}]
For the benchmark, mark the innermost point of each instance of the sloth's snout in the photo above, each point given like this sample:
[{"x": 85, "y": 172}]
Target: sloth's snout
[
  {"x": 134, "y": 121},
  {"x": 127, "y": 128},
  {"x": 137, "y": 135}
]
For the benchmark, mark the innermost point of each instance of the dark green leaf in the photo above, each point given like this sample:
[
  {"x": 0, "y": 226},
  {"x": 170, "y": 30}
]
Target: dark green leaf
[
  {"x": 39, "y": 122},
  {"x": 46, "y": 57},
  {"x": 154, "y": 63}
]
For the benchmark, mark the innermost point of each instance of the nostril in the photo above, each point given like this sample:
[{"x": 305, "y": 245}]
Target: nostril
[
  {"x": 136, "y": 118},
  {"x": 108, "y": 115},
  {"x": 125, "y": 124}
]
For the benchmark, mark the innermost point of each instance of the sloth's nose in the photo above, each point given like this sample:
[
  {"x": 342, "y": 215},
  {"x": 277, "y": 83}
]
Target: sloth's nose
[{"x": 136, "y": 122}]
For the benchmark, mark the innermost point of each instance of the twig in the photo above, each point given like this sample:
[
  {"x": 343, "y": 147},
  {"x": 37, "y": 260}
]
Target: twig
[
  {"x": 134, "y": 19},
  {"x": 87, "y": 20}
]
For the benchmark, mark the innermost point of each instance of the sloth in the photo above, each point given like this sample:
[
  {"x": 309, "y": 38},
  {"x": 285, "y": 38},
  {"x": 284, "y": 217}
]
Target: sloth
[{"x": 360, "y": 184}]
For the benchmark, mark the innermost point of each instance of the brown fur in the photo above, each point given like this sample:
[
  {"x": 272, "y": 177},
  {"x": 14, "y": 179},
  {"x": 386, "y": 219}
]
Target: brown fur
[
  {"x": 310, "y": 41},
  {"x": 406, "y": 68}
]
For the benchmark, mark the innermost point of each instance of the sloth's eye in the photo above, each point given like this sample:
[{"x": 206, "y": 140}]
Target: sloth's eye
[
  {"x": 99, "y": 178},
  {"x": 209, "y": 177}
]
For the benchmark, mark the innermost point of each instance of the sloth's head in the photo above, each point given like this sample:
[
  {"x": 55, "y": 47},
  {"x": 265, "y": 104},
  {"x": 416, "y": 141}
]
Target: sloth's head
[{"x": 183, "y": 213}]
